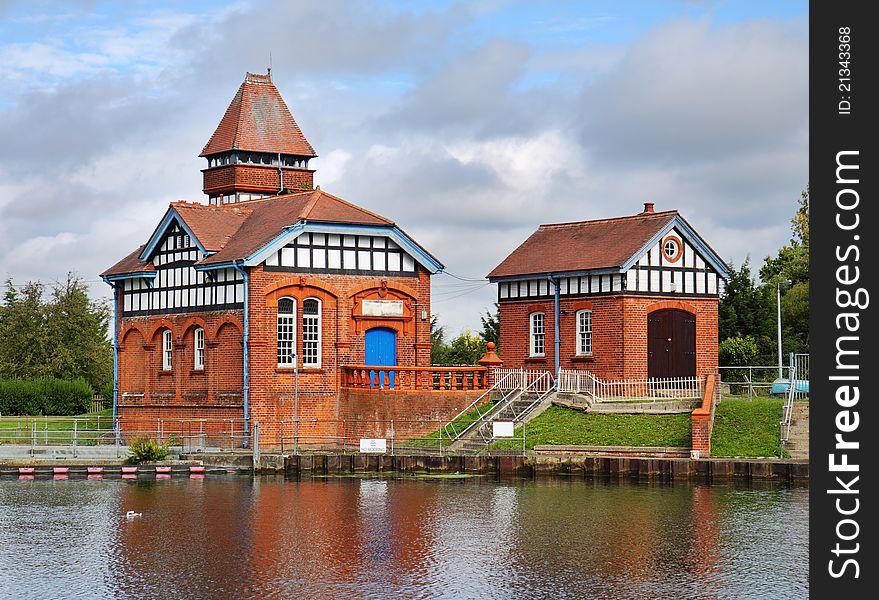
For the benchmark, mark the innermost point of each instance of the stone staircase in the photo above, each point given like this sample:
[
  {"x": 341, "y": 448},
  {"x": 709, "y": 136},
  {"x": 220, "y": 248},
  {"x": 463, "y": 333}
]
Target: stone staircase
[
  {"x": 475, "y": 441},
  {"x": 798, "y": 442}
]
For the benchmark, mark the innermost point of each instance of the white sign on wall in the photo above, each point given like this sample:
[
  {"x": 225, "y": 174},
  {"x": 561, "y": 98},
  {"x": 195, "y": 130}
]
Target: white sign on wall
[
  {"x": 502, "y": 429},
  {"x": 374, "y": 445},
  {"x": 382, "y": 308}
]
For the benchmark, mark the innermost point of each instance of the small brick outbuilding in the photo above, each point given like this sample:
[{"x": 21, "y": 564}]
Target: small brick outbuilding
[{"x": 631, "y": 298}]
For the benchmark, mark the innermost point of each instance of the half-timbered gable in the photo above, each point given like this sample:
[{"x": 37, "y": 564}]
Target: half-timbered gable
[
  {"x": 349, "y": 254},
  {"x": 603, "y": 285}
]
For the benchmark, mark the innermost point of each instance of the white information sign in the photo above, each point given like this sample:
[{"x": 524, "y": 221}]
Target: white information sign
[
  {"x": 377, "y": 445},
  {"x": 502, "y": 429},
  {"x": 382, "y": 308}
]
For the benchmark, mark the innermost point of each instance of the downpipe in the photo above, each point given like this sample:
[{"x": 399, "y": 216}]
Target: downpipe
[{"x": 246, "y": 340}]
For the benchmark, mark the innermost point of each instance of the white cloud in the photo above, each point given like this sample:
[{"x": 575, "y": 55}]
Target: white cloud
[{"x": 467, "y": 142}]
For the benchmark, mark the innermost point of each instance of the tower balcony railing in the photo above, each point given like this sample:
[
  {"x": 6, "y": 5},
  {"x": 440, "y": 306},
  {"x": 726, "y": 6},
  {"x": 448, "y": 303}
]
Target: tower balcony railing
[{"x": 397, "y": 378}]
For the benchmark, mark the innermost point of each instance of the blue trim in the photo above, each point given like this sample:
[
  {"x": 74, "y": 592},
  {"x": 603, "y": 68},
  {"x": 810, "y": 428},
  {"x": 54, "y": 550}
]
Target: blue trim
[
  {"x": 246, "y": 350},
  {"x": 391, "y": 231},
  {"x": 110, "y": 279},
  {"x": 156, "y": 237},
  {"x": 216, "y": 266},
  {"x": 579, "y": 273},
  {"x": 556, "y": 316},
  {"x": 690, "y": 236},
  {"x": 115, "y": 351}
]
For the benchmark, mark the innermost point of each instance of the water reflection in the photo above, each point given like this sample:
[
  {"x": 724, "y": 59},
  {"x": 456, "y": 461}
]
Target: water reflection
[{"x": 269, "y": 537}]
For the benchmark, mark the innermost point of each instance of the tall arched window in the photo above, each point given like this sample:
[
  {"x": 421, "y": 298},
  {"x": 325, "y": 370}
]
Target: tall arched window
[
  {"x": 198, "y": 347},
  {"x": 311, "y": 333},
  {"x": 286, "y": 332},
  {"x": 584, "y": 333},
  {"x": 167, "y": 349},
  {"x": 537, "y": 334}
]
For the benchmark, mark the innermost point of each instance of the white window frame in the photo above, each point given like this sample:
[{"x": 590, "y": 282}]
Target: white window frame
[
  {"x": 584, "y": 333},
  {"x": 286, "y": 335},
  {"x": 167, "y": 350},
  {"x": 537, "y": 331},
  {"x": 312, "y": 346},
  {"x": 198, "y": 349}
]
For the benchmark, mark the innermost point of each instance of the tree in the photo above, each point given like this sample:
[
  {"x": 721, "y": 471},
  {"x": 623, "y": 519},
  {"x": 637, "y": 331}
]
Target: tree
[
  {"x": 64, "y": 337},
  {"x": 25, "y": 344},
  {"x": 790, "y": 270},
  {"x": 437, "y": 341},
  {"x": 491, "y": 326},
  {"x": 77, "y": 329},
  {"x": 745, "y": 310},
  {"x": 466, "y": 349}
]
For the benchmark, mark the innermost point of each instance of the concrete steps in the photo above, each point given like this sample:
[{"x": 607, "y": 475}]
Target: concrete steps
[{"x": 798, "y": 440}]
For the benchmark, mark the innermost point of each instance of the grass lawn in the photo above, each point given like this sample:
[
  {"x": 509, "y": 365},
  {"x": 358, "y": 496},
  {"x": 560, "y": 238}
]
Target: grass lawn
[
  {"x": 565, "y": 426},
  {"x": 460, "y": 424},
  {"x": 55, "y": 430},
  {"x": 747, "y": 427}
]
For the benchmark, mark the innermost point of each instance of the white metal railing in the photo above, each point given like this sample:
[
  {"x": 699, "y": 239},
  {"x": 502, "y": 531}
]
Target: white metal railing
[
  {"x": 541, "y": 384},
  {"x": 647, "y": 390},
  {"x": 503, "y": 382},
  {"x": 537, "y": 382},
  {"x": 798, "y": 388},
  {"x": 519, "y": 379}
]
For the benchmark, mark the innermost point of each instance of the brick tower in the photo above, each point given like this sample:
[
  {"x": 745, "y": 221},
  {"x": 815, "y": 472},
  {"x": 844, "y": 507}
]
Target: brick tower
[{"x": 257, "y": 149}]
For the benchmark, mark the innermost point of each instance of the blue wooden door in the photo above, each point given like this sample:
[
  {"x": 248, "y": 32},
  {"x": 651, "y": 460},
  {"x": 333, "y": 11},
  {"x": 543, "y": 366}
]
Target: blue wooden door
[{"x": 380, "y": 350}]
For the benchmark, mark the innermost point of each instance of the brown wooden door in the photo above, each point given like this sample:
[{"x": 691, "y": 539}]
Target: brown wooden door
[{"x": 671, "y": 344}]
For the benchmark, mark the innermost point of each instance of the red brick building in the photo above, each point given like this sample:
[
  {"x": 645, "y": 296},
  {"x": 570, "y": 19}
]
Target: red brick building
[
  {"x": 625, "y": 298},
  {"x": 271, "y": 284}
]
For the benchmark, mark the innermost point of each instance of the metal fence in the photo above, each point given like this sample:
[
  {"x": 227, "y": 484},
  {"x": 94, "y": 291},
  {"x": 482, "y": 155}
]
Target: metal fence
[
  {"x": 630, "y": 390},
  {"x": 761, "y": 380},
  {"x": 89, "y": 434},
  {"x": 102, "y": 437}
]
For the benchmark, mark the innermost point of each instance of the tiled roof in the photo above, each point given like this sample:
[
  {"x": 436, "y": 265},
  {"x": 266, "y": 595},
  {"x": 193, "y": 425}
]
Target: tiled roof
[
  {"x": 270, "y": 216},
  {"x": 130, "y": 264},
  {"x": 583, "y": 245},
  {"x": 213, "y": 226},
  {"x": 258, "y": 120},
  {"x": 235, "y": 231}
]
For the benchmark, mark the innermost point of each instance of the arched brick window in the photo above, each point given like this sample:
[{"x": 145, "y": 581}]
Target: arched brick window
[
  {"x": 311, "y": 333},
  {"x": 286, "y": 332},
  {"x": 167, "y": 349},
  {"x": 198, "y": 348}
]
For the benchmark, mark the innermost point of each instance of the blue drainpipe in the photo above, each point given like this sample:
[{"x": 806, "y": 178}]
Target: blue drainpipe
[
  {"x": 556, "y": 314},
  {"x": 246, "y": 353},
  {"x": 115, "y": 350}
]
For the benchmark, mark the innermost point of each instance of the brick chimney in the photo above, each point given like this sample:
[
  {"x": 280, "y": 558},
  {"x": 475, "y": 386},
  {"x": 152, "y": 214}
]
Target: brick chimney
[{"x": 648, "y": 208}]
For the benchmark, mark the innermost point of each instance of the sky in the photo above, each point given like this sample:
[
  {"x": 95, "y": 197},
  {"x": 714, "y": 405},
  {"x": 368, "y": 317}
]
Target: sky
[{"x": 467, "y": 123}]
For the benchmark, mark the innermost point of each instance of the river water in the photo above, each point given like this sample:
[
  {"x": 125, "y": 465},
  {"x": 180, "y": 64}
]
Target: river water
[{"x": 234, "y": 537}]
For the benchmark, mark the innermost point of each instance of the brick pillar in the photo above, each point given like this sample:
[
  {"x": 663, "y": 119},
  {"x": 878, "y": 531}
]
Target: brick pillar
[
  {"x": 490, "y": 361},
  {"x": 702, "y": 420}
]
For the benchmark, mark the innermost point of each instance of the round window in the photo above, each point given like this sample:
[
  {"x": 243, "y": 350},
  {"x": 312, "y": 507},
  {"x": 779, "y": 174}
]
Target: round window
[{"x": 671, "y": 248}]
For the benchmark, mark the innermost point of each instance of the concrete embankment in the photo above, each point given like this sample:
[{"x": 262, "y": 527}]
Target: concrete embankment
[{"x": 711, "y": 469}]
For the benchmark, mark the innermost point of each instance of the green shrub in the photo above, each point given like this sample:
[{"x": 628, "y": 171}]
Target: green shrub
[
  {"x": 146, "y": 450},
  {"x": 737, "y": 351},
  {"x": 106, "y": 393},
  {"x": 45, "y": 396}
]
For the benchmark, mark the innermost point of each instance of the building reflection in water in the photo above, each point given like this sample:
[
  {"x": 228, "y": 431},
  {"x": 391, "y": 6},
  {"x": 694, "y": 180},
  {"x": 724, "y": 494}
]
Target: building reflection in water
[{"x": 376, "y": 537}]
